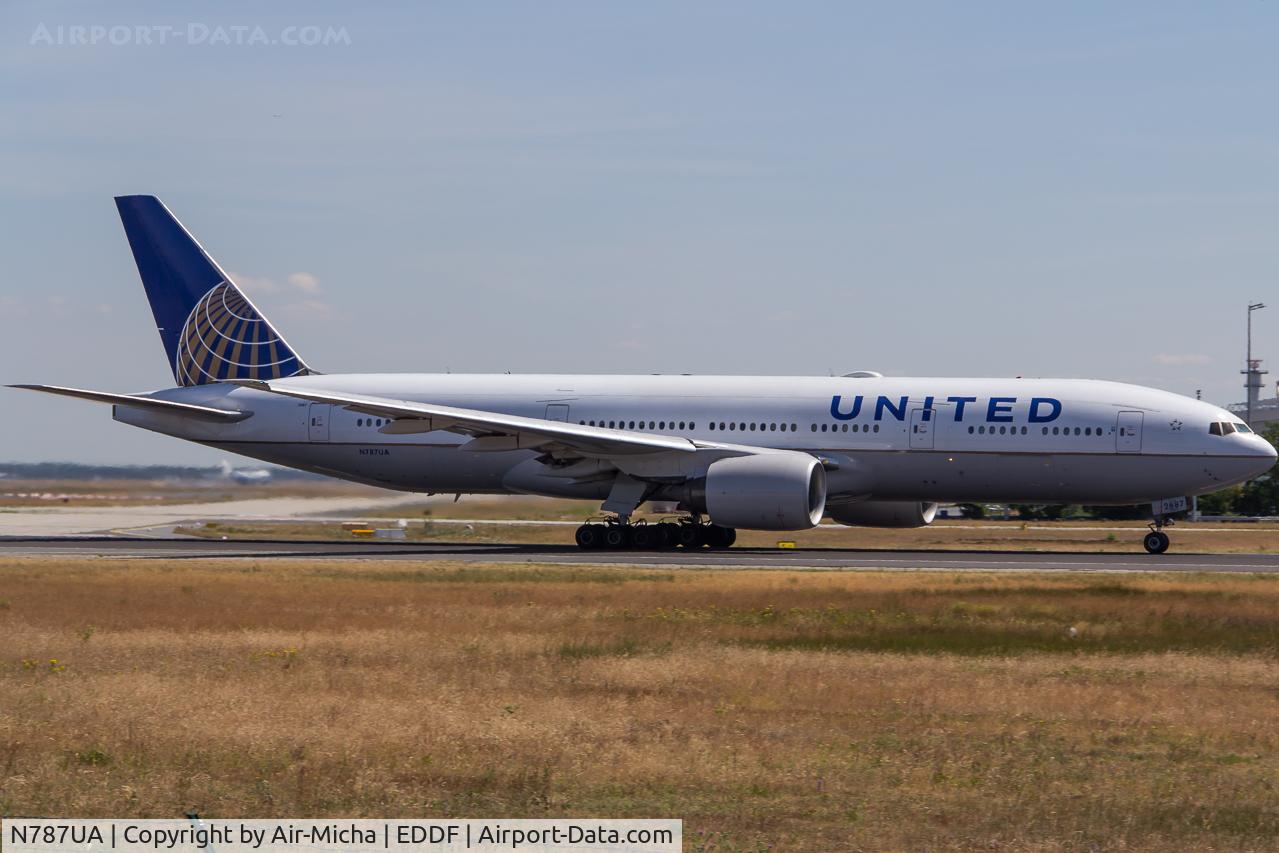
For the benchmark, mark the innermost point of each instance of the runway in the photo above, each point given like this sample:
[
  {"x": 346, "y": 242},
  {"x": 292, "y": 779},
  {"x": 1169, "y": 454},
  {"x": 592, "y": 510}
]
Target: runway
[{"x": 816, "y": 559}]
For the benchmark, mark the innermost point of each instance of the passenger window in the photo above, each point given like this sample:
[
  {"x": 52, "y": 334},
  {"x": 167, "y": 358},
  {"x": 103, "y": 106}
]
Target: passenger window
[
  {"x": 1024, "y": 430},
  {"x": 1054, "y": 430},
  {"x": 1076, "y": 430},
  {"x": 681, "y": 424},
  {"x": 1045, "y": 430},
  {"x": 721, "y": 424},
  {"x": 971, "y": 429},
  {"x": 732, "y": 426},
  {"x": 823, "y": 427},
  {"x": 1087, "y": 430},
  {"x": 876, "y": 427},
  {"x": 692, "y": 425},
  {"x": 359, "y": 422}
]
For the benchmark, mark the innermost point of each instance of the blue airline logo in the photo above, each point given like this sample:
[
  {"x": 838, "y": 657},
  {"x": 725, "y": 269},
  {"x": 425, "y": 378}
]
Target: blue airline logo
[{"x": 1041, "y": 410}]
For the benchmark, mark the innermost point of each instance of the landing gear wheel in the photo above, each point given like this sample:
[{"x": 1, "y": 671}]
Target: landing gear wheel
[
  {"x": 645, "y": 537},
  {"x": 590, "y": 537},
  {"x": 1156, "y": 542},
  {"x": 719, "y": 537},
  {"x": 689, "y": 535},
  {"x": 667, "y": 535},
  {"x": 617, "y": 536}
]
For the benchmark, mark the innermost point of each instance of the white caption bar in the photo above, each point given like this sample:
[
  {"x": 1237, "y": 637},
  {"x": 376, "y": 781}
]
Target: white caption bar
[{"x": 45, "y": 835}]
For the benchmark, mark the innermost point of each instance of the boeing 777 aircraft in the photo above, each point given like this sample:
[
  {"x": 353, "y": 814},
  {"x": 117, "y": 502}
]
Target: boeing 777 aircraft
[{"x": 758, "y": 452}]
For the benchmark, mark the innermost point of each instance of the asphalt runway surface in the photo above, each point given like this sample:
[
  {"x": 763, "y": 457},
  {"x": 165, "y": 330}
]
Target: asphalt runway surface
[{"x": 828, "y": 559}]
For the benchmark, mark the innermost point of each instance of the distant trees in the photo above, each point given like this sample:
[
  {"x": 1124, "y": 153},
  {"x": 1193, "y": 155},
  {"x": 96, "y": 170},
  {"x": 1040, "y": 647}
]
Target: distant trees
[{"x": 1043, "y": 512}]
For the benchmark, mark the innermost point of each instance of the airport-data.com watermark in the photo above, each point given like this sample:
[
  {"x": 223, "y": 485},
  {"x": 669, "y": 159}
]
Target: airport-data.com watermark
[{"x": 194, "y": 33}]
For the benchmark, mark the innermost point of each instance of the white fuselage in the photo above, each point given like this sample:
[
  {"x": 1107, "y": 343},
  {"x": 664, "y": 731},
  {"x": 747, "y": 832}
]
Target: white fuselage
[{"x": 938, "y": 439}]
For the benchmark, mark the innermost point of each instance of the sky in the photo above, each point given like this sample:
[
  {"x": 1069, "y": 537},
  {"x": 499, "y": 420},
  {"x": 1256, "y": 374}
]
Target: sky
[{"x": 950, "y": 189}]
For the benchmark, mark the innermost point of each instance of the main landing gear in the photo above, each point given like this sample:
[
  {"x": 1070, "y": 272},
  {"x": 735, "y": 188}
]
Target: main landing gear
[
  {"x": 1156, "y": 541},
  {"x": 615, "y": 534}
]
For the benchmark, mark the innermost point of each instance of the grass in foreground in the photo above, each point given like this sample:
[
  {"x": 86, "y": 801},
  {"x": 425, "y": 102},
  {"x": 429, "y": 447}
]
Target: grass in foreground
[{"x": 797, "y": 711}]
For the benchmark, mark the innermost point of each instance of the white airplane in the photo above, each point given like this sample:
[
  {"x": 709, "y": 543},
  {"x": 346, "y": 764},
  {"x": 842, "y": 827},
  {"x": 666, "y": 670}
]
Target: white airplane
[
  {"x": 244, "y": 476},
  {"x": 758, "y": 452}
]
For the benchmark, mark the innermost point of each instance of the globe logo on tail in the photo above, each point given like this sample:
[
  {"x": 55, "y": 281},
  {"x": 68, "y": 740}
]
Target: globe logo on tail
[{"x": 224, "y": 337}]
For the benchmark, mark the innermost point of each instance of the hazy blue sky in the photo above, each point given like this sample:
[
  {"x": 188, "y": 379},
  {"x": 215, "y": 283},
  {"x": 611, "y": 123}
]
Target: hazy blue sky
[{"x": 1081, "y": 189}]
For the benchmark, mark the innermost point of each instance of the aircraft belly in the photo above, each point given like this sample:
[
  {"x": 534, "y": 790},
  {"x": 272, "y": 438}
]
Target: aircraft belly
[{"x": 1037, "y": 478}]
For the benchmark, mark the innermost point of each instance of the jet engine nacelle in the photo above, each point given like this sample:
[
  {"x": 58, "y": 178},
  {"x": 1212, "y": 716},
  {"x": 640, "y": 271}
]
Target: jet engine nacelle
[
  {"x": 885, "y": 513},
  {"x": 769, "y": 491}
]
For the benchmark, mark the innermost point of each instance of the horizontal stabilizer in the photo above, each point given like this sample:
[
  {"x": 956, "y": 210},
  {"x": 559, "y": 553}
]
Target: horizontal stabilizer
[{"x": 140, "y": 402}]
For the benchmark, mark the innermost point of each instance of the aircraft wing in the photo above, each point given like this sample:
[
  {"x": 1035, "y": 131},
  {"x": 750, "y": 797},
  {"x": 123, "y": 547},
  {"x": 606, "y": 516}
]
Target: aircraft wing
[
  {"x": 491, "y": 430},
  {"x": 141, "y": 402}
]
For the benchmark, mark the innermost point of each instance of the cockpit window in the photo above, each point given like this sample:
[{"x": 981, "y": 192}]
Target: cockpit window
[
  {"x": 1226, "y": 427},
  {"x": 1215, "y": 428},
  {"x": 1243, "y": 427}
]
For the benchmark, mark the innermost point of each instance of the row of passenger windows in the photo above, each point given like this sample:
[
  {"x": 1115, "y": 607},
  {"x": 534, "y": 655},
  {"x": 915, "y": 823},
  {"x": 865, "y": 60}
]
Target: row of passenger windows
[
  {"x": 775, "y": 427},
  {"x": 1012, "y": 430},
  {"x": 760, "y": 427},
  {"x": 1219, "y": 428},
  {"x": 849, "y": 428},
  {"x": 642, "y": 424}
]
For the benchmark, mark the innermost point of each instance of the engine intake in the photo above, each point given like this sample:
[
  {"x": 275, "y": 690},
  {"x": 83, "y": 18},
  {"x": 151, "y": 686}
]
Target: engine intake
[
  {"x": 770, "y": 491},
  {"x": 885, "y": 513}
]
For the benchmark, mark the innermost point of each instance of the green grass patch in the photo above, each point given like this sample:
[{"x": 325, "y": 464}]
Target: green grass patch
[{"x": 623, "y": 647}]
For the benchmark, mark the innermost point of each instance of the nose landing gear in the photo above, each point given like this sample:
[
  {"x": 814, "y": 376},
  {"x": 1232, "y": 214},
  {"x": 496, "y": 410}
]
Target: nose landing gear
[{"x": 1156, "y": 541}]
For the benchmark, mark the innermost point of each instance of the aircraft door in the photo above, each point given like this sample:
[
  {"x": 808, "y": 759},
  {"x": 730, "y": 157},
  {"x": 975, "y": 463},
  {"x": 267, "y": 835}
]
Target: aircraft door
[
  {"x": 922, "y": 422},
  {"x": 557, "y": 412},
  {"x": 1128, "y": 432},
  {"x": 319, "y": 422}
]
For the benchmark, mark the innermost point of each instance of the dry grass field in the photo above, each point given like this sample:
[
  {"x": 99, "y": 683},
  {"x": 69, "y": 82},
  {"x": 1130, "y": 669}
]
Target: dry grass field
[{"x": 770, "y": 710}]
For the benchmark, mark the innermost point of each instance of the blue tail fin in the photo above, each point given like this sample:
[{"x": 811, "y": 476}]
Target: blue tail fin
[{"x": 211, "y": 331}]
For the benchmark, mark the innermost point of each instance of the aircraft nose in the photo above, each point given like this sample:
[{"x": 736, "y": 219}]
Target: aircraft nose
[{"x": 1263, "y": 451}]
